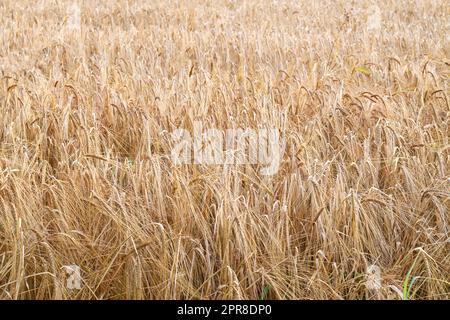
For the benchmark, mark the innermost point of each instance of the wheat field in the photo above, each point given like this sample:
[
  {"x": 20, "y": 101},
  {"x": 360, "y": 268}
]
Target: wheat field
[{"x": 90, "y": 92}]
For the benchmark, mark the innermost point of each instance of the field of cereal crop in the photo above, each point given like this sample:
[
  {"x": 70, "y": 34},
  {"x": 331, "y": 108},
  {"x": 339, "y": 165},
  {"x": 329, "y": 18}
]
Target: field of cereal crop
[{"x": 93, "y": 205}]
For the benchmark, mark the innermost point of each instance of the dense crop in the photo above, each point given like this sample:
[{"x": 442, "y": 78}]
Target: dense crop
[{"x": 90, "y": 92}]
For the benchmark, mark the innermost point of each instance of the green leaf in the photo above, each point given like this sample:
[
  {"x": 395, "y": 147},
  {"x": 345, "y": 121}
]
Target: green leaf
[
  {"x": 364, "y": 70},
  {"x": 406, "y": 286},
  {"x": 410, "y": 286},
  {"x": 265, "y": 292}
]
